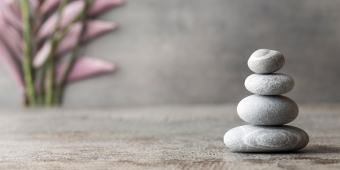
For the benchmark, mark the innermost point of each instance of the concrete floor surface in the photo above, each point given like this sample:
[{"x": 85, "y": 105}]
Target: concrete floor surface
[{"x": 169, "y": 137}]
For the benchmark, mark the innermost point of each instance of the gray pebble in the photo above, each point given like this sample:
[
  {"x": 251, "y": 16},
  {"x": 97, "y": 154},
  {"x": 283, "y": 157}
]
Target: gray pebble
[
  {"x": 269, "y": 84},
  {"x": 252, "y": 138},
  {"x": 265, "y": 61},
  {"x": 267, "y": 110}
]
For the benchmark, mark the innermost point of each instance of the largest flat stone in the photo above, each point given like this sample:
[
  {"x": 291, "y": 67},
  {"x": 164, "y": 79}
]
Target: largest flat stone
[{"x": 252, "y": 138}]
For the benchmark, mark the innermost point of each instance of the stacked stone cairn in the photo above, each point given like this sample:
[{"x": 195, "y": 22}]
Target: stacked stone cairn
[{"x": 267, "y": 110}]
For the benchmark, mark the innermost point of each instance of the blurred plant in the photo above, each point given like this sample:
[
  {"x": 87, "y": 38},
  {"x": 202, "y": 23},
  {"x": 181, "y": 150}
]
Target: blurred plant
[{"x": 33, "y": 37}]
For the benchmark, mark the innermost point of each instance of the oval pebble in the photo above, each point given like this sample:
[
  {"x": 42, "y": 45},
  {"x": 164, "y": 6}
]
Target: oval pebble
[
  {"x": 269, "y": 84},
  {"x": 265, "y": 61},
  {"x": 267, "y": 110},
  {"x": 252, "y": 138}
]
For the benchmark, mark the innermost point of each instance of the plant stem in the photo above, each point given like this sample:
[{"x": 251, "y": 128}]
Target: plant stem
[
  {"x": 41, "y": 85},
  {"x": 49, "y": 82},
  {"x": 50, "y": 66},
  {"x": 27, "y": 69},
  {"x": 74, "y": 54},
  {"x": 40, "y": 89}
]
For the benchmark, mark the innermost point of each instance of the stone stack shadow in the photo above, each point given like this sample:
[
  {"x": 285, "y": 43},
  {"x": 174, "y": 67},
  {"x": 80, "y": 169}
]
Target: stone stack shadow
[{"x": 267, "y": 110}]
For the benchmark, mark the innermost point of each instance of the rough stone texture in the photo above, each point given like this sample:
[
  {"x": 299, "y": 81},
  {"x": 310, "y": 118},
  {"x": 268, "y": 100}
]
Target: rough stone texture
[
  {"x": 264, "y": 61},
  {"x": 181, "y": 137},
  {"x": 269, "y": 84},
  {"x": 267, "y": 110},
  {"x": 194, "y": 52},
  {"x": 252, "y": 138}
]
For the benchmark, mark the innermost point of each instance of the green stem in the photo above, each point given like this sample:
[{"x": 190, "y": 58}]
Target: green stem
[
  {"x": 41, "y": 85},
  {"x": 74, "y": 54},
  {"x": 27, "y": 69},
  {"x": 50, "y": 65},
  {"x": 41, "y": 71}
]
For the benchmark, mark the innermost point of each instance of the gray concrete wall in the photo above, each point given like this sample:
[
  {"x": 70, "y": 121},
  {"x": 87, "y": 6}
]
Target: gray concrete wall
[{"x": 196, "y": 51}]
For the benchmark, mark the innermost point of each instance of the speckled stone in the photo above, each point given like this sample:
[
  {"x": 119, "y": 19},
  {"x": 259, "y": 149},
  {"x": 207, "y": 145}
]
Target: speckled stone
[
  {"x": 269, "y": 84},
  {"x": 253, "y": 138},
  {"x": 265, "y": 61},
  {"x": 267, "y": 110}
]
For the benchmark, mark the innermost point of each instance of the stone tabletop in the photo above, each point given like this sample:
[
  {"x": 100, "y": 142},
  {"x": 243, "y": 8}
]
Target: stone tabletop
[{"x": 169, "y": 137}]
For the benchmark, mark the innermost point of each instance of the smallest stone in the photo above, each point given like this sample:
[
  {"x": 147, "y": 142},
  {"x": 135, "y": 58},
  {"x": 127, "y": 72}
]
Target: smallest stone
[{"x": 264, "y": 61}]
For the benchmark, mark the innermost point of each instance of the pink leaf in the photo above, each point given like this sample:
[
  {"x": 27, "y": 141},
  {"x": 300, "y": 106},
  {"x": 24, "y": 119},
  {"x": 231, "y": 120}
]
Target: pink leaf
[
  {"x": 42, "y": 55},
  {"x": 11, "y": 68},
  {"x": 11, "y": 37},
  {"x": 15, "y": 7},
  {"x": 102, "y": 5},
  {"x": 7, "y": 10},
  {"x": 85, "y": 67},
  {"x": 93, "y": 29},
  {"x": 48, "y": 5},
  {"x": 71, "y": 10}
]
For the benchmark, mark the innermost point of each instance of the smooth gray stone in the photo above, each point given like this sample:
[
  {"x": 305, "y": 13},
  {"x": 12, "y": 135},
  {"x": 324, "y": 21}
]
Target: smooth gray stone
[
  {"x": 265, "y": 61},
  {"x": 269, "y": 84},
  {"x": 267, "y": 110},
  {"x": 253, "y": 138}
]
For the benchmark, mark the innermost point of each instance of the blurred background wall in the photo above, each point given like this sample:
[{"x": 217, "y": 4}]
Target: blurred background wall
[{"x": 196, "y": 52}]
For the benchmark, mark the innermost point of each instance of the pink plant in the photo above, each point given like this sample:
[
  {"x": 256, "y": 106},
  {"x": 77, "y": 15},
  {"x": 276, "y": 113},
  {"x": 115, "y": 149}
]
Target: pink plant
[
  {"x": 11, "y": 68},
  {"x": 29, "y": 40},
  {"x": 94, "y": 28},
  {"x": 9, "y": 12},
  {"x": 84, "y": 67},
  {"x": 72, "y": 10},
  {"x": 11, "y": 37}
]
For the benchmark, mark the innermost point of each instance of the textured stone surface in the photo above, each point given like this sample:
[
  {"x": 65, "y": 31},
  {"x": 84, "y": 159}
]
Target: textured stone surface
[
  {"x": 267, "y": 110},
  {"x": 266, "y": 61},
  {"x": 269, "y": 84},
  {"x": 152, "y": 138},
  {"x": 252, "y": 138}
]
